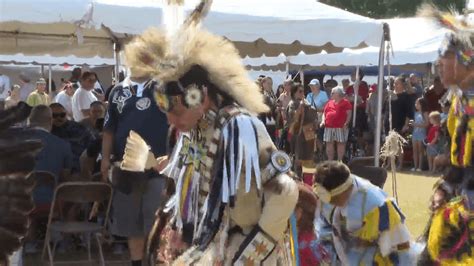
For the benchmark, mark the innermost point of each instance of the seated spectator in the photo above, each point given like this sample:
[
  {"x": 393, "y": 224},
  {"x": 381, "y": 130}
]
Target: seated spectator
[
  {"x": 38, "y": 96},
  {"x": 76, "y": 134},
  {"x": 91, "y": 158},
  {"x": 96, "y": 111},
  {"x": 64, "y": 98},
  {"x": 83, "y": 97},
  {"x": 56, "y": 155}
]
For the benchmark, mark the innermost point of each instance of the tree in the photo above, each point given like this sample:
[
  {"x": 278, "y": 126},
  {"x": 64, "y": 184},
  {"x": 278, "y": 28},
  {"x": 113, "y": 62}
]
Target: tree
[{"x": 391, "y": 8}]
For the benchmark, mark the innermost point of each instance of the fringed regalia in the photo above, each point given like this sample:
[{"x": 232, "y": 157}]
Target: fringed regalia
[
  {"x": 450, "y": 230},
  {"x": 233, "y": 196}
]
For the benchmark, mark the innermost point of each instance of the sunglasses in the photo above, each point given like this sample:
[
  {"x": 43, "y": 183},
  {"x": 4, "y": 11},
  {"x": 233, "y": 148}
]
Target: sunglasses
[{"x": 59, "y": 115}]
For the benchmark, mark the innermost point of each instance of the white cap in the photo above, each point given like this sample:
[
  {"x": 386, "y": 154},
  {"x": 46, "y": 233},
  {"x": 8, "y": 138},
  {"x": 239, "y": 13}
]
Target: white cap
[{"x": 314, "y": 82}]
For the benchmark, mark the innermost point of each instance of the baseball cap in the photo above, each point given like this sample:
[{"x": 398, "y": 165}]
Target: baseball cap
[
  {"x": 41, "y": 81},
  {"x": 314, "y": 82}
]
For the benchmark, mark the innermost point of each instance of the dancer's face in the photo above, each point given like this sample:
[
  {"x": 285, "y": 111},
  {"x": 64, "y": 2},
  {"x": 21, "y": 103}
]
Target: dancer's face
[
  {"x": 186, "y": 118},
  {"x": 446, "y": 65}
]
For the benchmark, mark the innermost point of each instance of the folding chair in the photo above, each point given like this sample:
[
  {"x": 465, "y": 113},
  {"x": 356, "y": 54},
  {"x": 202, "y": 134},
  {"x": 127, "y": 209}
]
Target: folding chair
[
  {"x": 376, "y": 175},
  {"x": 363, "y": 167},
  {"x": 82, "y": 193},
  {"x": 44, "y": 181}
]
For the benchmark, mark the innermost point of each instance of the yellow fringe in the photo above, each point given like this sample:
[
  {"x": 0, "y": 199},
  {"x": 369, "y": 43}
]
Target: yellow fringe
[{"x": 439, "y": 229}]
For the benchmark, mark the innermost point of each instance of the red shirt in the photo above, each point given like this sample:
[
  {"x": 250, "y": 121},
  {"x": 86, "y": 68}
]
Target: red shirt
[
  {"x": 432, "y": 133},
  {"x": 335, "y": 114},
  {"x": 363, "y": 93}
]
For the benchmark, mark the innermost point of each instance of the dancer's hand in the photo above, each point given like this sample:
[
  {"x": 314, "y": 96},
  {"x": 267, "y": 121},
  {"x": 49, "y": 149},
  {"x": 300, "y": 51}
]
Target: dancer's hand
[{"x": 161, "y": 163}]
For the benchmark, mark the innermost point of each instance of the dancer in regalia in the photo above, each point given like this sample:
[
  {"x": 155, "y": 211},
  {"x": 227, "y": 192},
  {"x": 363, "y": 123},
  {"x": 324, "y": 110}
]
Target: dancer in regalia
[
  {"x": 17, "y": 159},
  {"x": 233, "y": 194},
  {"x": 450, "y": 232},
  {"x": 368, "y": 227}
]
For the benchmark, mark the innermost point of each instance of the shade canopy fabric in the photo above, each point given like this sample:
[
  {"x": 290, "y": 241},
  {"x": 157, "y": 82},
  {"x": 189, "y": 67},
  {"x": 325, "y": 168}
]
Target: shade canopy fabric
[
  {"x": 414, "y": 41},
  {"x": 269, "y": 27},
  {"x": 54, "y": 60}
]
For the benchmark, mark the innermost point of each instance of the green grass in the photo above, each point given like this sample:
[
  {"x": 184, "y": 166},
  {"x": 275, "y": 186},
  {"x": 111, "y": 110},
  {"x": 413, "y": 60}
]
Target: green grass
[{"x": 414, "y": 192}]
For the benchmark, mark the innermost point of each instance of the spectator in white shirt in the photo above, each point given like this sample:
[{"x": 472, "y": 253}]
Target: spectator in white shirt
[
  {"x": 5, "y": 87},
  {"x": 65, "y": 98},
  {"x": 83, "y": 97}
]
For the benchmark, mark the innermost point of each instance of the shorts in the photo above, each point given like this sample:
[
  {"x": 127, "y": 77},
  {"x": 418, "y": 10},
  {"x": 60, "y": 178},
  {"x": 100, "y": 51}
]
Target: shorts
[
  {"x": 432, "y": 150},
  {"x": 133, "y": 214},
  {"x": 336, "y": 134},
  {"x": 418, "y": 135}
]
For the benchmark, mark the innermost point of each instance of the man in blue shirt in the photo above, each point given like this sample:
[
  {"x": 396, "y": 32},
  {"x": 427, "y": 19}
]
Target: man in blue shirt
[
  {"x": 136, "y": 198},
  {"x": 55, "y": 157},
  {"x": 316, "y": 97}
]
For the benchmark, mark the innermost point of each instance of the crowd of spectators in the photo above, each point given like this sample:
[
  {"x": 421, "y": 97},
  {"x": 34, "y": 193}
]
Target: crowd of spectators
[{"x": 338, "y": 135}]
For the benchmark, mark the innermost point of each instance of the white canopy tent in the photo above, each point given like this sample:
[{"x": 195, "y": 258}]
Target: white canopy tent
[
  {"x": 409, "y": 47},
  {"x": 55, "y": 60},
  {"x": 87, "y": 28},
  {"x": 256, "y": 27}
]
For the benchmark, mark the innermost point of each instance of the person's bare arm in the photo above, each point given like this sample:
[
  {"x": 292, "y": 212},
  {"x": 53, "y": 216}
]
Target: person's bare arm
[
  {"x": 107, "y": 140},
  {"x": 348, "y": 118},
  {"x": 85, "y": 112},
  {"x": 435, "y": 139},
  {"x": 322, "y": 121},
  {"x": 87, "y": 166},
  {"x": 425, "y": 123}
]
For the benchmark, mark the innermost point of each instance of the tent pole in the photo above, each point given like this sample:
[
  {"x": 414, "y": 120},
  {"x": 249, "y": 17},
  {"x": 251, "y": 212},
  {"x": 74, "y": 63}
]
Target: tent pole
[
  {"x": 49, "y": 79},
  {"x": 380, "y": 90},
  {"x": 117, "y": 61},
  {"x": 356, "y": 94},
  {"x": 42, "y": 70},
  {"x": 302, "y": 76},
  {"x": 287, "y": 67}
]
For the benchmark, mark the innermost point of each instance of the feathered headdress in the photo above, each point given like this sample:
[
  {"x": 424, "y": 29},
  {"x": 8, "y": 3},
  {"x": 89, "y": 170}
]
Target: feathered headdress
[
  {"x": 186, "y": 58},
  {"x": 458, "y": 40}
]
